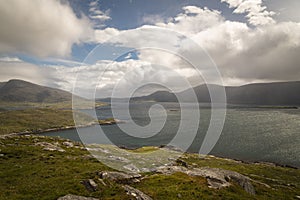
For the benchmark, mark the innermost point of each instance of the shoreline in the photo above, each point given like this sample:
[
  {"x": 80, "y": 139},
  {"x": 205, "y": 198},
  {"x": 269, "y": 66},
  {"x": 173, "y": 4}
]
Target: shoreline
[
  {"x": 274, "y": 164},
  {"x": 105, "y": 122},
  {"x": 244, "y": 161},
  {"x": 112, "y": 121}
]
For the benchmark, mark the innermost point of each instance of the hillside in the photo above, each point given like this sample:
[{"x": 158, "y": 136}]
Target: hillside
[
  {"x": 22, "y": 91},
  {"x": 38, "y": 167},
  {"x": 278, "y": 93}
]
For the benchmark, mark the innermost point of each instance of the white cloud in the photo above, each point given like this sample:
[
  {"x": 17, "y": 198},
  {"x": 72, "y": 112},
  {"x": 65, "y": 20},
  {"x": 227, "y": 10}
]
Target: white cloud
[
  {"x": 193, "y": 20},
  {"x": 42, "y": 28},
  {"x": 103, "y": 76},
  {"x": 243, "y": 53},
  {"x": 10, "y": 59},
  {"x": 287, "y": 10},
  {"x": 152, "y": 18},
  {"x": 256, "y": 12},
  {"x": 103, "y": 35},
  {"x": 265, "y": 53},
  {"x": 10, "y": 69},
  {"x": 98, "y": 16}
]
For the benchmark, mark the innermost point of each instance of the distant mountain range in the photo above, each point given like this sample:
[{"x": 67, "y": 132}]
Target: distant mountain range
[
  {"x": 278, "y": 93},
  {"x": 22, "y": 91}
]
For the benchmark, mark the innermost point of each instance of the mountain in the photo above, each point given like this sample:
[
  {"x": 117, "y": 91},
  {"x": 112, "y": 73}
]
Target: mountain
[
  {"x": 278, "y": 93},
  {"x": 162, "y": 96},
  {"x": 22, "y": 91}
]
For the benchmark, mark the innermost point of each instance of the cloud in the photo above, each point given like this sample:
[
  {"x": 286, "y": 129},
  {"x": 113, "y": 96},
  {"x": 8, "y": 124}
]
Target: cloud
[
  {"x": 193, "y": 20},
  {"x": 10, "y": 59},
  {"x": 260, "y": 52},
  {"x": 152, "y": 19},
  {"x": 287, "y": 10},
  {"x": 42, "y": 28},
  {"x": 268, "y": 52},
  {"x": 98, "y": 16},
  {"x": 256, "y": 13},
  {"x": 14, "y": 68},
  {"x": 104, "y": 77},
  {"x": 103, "y": 35}
]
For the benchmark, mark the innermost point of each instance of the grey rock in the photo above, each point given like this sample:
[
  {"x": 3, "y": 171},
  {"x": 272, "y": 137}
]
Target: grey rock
[
  {"x": 172, "y": 148},
  {"x": 181, "y": 163},
  {"x": 90, "y": 185},
  {"x": 216, "y": 178},
  {"x": 98, "y": 149},
  {"x": 68, "y": 144},
  {"x": 119, "y": 177},
  {"x": 102, "y": 182},
  {"x": 50, "y": 147},
  {"x": 132, "y": 168},
  {"x": 137, "y": 194},
  {"x": 168, "y": 170},
  {"x": 74, "y": 197},
  {"x": 118, "y": 158}
]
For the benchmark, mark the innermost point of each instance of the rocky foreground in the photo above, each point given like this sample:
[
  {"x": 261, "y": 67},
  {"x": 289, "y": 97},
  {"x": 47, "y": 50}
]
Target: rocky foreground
[{"x": 37, "y": 167}]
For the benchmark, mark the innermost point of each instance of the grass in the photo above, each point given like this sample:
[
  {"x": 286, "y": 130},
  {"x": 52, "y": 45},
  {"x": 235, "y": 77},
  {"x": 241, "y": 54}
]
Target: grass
[
  {"x": 33, "y": 120},
  {"x": 181, "y": 185},
  {"x": 80, "y": 104},
  {"x": 29, "y": 172}
]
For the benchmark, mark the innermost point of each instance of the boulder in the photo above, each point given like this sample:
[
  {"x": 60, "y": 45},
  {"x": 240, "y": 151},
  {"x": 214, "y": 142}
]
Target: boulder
[
  {"x": 137, "y": 194},
  {"x": 68, "y": 144},
  {"x": 90, "y": 185},
  {"x": 182, "y": 163},
  {"x": 216, "y": 178},
  {"x": 50, "y": 147},
  {"x": 119, "y": 177},
  {"x": 131, "y": 168}
]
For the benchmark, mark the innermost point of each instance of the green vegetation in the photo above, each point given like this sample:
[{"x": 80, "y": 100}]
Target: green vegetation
[
  {"x": 38, "y": 117},
  {"x": 80, "y": 104},
  {"x": 37, "y": 120},
  {"x": 27, "y": 171},
  {"x": 145, "y": 149},
  {"x": 182, "y": 186}
]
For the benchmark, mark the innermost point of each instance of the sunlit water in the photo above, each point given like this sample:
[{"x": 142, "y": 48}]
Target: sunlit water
[{"x": 251, "y": 134}]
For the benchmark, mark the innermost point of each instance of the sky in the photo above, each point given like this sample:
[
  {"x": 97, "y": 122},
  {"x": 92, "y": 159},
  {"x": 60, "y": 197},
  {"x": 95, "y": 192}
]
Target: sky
[{"x": 118, "y": 46}]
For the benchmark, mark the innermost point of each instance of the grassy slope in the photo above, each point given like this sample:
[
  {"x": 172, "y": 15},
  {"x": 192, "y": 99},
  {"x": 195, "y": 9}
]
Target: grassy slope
[
  {"x": 26, "y": 116},
  {"x": 80, "y": 104},
  {"x": 284, "y": 182},
  {"x": 37, "y": 119},
  {"x": 28, "y": 172}
]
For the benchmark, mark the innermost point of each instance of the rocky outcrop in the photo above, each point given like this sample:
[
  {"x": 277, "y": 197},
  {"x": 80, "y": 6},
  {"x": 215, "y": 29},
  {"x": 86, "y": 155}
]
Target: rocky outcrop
[
  {"x": 119, "y": 177},
  {"x": 137, "y": 194},
  {"x": 90, "y": 185},
  {"x": 74, "y": 197},
  {"x": 216, "y": 178},
  {"x": 68, "y": 144},
  {"x": 50, "y": 147}
]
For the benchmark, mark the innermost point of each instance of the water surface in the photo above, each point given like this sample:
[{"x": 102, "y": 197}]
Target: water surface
[{"x": 252, "y": 134}]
